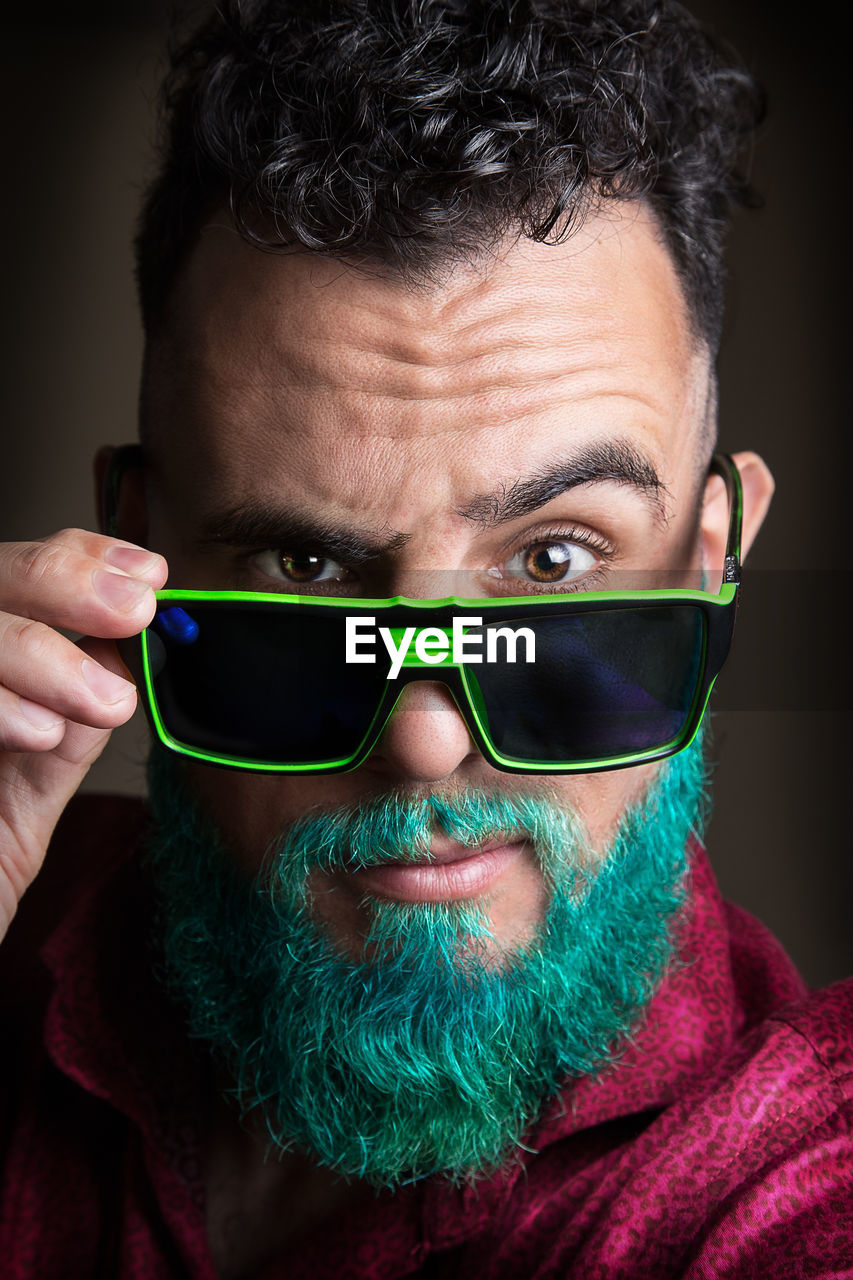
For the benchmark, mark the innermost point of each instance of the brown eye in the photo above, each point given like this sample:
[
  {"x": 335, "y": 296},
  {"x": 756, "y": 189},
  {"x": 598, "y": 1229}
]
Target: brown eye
[
  {"x": 300, "y": 568},
  {"x": 551, "y": 561},
  {"x": 303, "y": 567},
  {"x": 547, "y": 561}
]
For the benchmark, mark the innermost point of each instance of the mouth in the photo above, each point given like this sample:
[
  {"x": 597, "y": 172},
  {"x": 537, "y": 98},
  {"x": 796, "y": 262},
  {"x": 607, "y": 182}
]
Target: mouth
[{"x": 450, "y": 872}]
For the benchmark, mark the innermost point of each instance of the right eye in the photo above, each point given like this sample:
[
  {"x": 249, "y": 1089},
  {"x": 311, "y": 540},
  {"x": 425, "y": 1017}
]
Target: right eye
[{"x": 299, "y": 567}]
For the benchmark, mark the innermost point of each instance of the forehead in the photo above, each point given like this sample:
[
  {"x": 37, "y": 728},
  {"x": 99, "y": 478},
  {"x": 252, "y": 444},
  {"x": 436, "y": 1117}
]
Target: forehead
[{"x": 358, "y": 392}]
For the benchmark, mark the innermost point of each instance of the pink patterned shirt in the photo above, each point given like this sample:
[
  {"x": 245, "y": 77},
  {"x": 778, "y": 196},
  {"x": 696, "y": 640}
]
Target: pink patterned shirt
[{"x": 719, "y": 1145}]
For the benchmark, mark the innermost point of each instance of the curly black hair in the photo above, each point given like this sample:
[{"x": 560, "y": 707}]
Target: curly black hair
[{"x": 414, "y": 133}]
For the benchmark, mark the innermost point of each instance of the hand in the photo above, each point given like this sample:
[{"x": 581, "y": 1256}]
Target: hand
[{"x": 59, "y": 700}]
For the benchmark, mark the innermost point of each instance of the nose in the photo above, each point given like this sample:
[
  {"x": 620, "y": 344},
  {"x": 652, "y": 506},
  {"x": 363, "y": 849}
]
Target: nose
[{"x": 425, "y": 739}]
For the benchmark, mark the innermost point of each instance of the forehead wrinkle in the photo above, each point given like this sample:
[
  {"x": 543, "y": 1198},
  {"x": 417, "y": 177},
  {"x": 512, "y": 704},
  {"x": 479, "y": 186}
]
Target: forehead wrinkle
[
  {"x": 396, "y": 412},
  {"x": 277, "y": 362},
  {"x": 497, "y": 364},
  {"x": 406, "y": 359},
  {"x": 340, "y": 329},
  {"x": 391, "y": 425},
  {"x": 498, "y": 355}
]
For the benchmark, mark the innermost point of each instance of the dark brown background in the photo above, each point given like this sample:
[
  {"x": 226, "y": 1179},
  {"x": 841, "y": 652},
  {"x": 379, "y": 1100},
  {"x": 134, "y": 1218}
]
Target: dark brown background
[{"x": 77, "y": 128}]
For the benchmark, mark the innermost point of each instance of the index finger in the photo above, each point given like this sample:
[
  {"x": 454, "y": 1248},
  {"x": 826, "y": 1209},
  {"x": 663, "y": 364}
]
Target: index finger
[{"x": 81, "y": 581}]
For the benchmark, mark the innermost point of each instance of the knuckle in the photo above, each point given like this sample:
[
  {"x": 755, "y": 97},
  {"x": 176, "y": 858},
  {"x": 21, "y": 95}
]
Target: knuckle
[
  {"x": 11, "y": 736},
  {"x": 17, "y": 737},
  {"x": 43, "y": 561},
  {"x": 48, "y": 575},
  {"x": 33, "y": 640},
  {"x": 68, "y": 535},
  {"x": 18, "y": 733}
]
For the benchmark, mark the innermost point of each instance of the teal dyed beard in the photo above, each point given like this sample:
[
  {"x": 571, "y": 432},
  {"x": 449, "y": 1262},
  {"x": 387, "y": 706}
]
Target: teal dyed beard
[{"x": 429, "y": 1057}]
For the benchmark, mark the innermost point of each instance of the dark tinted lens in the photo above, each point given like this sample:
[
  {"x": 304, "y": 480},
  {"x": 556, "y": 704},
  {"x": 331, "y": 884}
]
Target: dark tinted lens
[
  {"x": 260, "y": 683},
  {"x": 603, "y": 684}
]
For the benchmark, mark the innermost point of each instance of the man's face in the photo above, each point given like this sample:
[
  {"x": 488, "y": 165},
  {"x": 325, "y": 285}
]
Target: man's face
[{"x": 319, "y": 428}]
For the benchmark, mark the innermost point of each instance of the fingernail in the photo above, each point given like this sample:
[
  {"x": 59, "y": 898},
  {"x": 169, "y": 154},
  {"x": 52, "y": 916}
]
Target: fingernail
[
  {"x": 134, "y": 560},
  {"x": 40, "y": 717},
  {"x": 119, "y": 592},
  {"x": 108, "y": 687}
]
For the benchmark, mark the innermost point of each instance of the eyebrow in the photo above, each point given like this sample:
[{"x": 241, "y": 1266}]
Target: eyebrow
[
  {"x": 611, "y": 462},
  {"x": 262, "y": 524}
]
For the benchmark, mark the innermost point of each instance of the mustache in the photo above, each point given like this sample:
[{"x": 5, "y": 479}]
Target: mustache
[{"x": 400, "y": 826}]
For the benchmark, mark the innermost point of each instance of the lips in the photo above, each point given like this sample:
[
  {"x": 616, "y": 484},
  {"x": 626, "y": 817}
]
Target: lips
[{"x": 453, "y": 871}]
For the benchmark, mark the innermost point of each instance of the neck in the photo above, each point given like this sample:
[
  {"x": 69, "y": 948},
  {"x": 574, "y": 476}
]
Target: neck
[{"x": 258, "y": 1207}]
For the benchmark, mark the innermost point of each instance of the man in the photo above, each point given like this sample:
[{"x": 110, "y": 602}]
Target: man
[{"x": 440, "y": 983}]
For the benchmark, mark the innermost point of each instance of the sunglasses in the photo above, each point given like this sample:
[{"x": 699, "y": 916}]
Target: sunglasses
[{"x": 574, "y": 683}]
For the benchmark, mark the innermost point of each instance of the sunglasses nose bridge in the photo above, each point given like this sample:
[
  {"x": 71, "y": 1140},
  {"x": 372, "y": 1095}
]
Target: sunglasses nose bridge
[{"x": 425, "y": 734}]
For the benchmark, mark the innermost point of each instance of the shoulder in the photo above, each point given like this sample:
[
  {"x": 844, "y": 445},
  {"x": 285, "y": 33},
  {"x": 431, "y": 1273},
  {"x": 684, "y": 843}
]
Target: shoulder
[
  {"x": 747, "y": 1173},
  {"x": 750, "y": 1173},
  {"x": 773, "y": 1139}
]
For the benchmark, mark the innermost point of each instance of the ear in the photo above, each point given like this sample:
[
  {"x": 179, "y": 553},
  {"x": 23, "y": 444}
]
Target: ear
[
  {"x": 758, "y": 485},
  {"x": 130, "y": 506}
]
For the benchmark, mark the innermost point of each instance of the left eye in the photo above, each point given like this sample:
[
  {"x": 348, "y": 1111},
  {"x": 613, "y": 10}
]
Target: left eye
[
  {"x": 300, "y": 567},
  {"x": 551, "y": 561}
]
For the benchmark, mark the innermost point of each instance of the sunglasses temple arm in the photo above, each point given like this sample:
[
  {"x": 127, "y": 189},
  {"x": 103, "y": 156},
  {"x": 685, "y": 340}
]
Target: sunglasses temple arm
[{"x": 722, "y": 464}]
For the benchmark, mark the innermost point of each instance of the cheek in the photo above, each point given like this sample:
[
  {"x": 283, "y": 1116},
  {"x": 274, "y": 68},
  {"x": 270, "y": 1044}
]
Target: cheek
[
  {"x": 600, "y": 799},
  {"x": 251, "y": 810}
]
